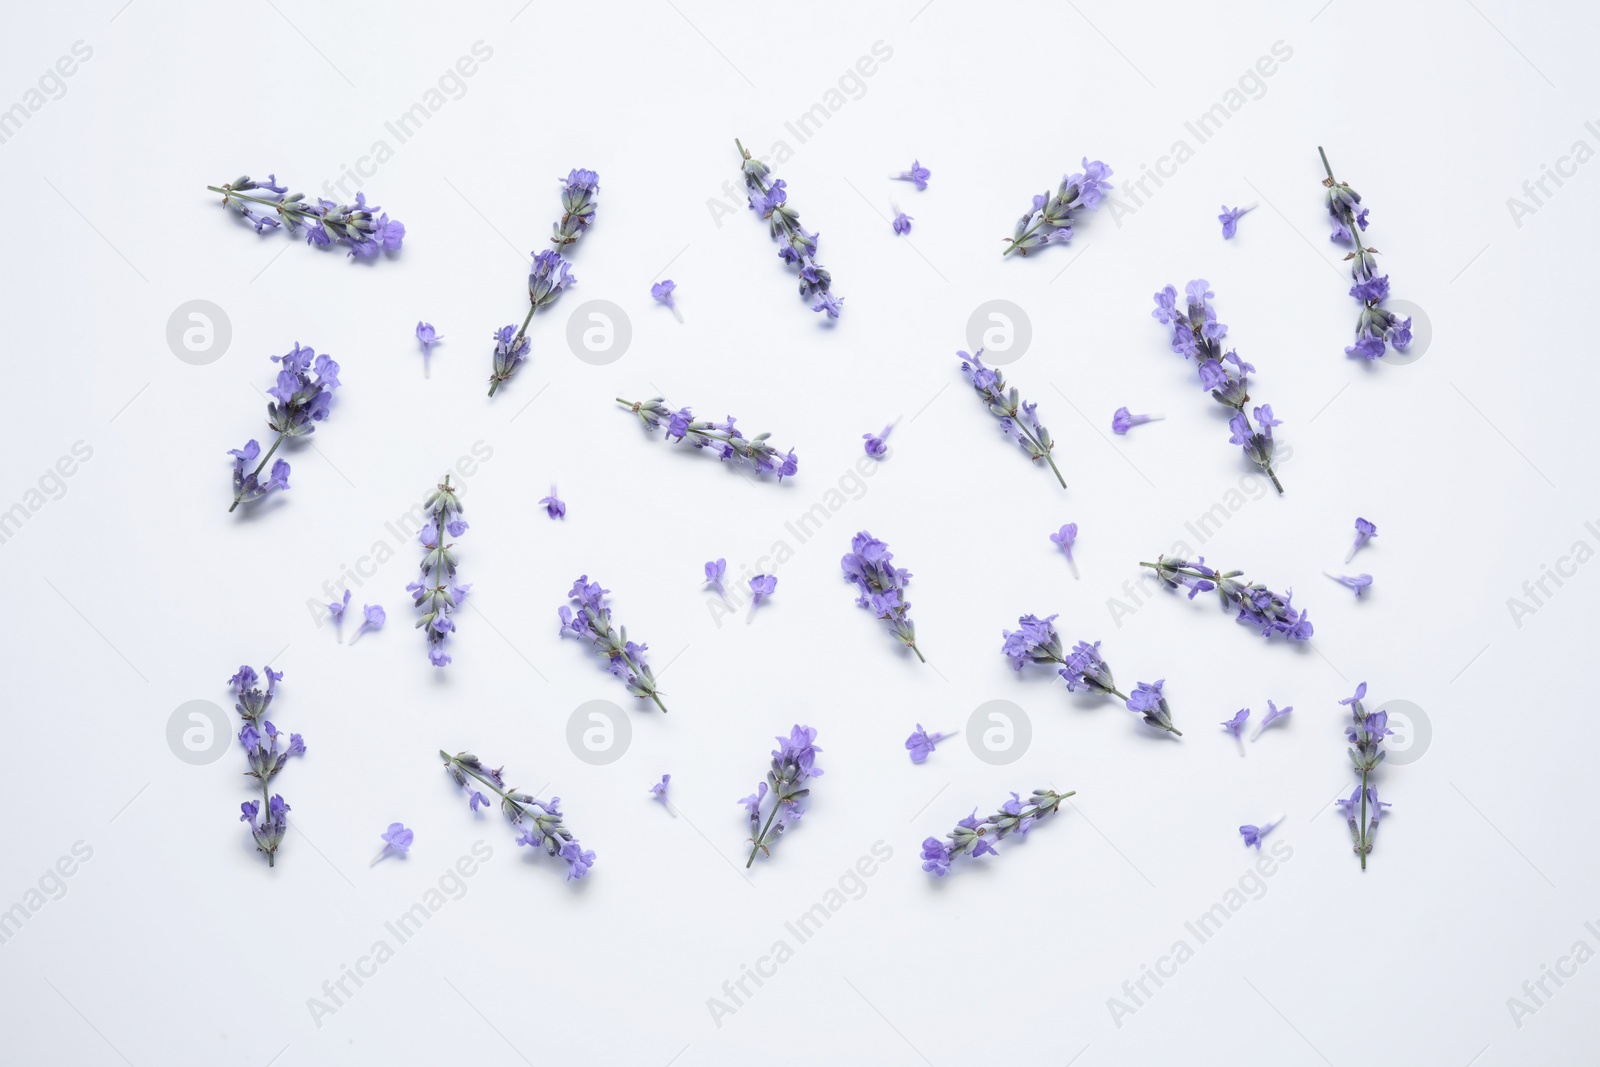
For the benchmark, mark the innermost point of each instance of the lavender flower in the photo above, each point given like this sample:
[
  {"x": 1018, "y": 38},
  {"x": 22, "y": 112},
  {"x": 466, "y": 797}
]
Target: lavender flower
[
  {"x": 1357, "y": 584},
  {"x": 325, "y": 222},
  {"x": 659, "y": 790},
  {"x": 396, "y": 842},
  {"x": 428, "y": 337},
  {"x": 437, "y": 594},
  {"x": 921, "y": 743},
  {"x": 882, "y": 586},
  {"x": 1235, "y": 726},
  {"x": 1021, "y": 421},
  {"x": 1362, "y": 808},
  {"x": 1064, "y": 538},
  {"x": 1148, "y": 703},
  {"x": 1122, "y": 421},
  {"x": 877, "y": 445},
  {"x": 1036, "y": 641},
  {"x": 336, "y": 612},
  {"x": 793, "y": 765},
  {"x": 1257, "y": 605},
  {"x": 1253, "y": 834},
  {"x": 1049, "y": 220},
  {"x": 770, "y": 201},
  {"x": 538, "y": 822},
  {"x": 1375, "y": 326},
  {"x": 761, "y": 587},
  {"x": 918, "y": 175},
  {"x": 1365, "y": 532},
  {"x": 1230, "y": 219},
  {"x": 301, "y": 398},
  {"x": 268, "y": 817},
  {"x": 372, "y": 618},
  {"x": 715, "y": 569},
  {"x": 553, "y": 505},
  {"x": 972, "y": 837},
  {"x": 592, "y": 622},
  {"x": 902, "y": 222},
  {"x": 1197, "y": 334},
  {"x": 662, "y": 292},
  {"x": 721, "y": 437},
  {"x": 1274, "y": 713}
]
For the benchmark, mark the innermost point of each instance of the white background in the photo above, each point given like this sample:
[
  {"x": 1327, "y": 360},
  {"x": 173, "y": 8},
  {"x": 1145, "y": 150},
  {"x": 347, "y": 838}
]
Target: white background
[{"x": 135, "y": 592}]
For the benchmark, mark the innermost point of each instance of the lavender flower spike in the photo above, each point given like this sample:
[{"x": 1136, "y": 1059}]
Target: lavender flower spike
[
  {"x": 1375, "y": 326},
  {"x": 325, "y": 222},
  {"x": 721, "y": 437},
  {"x": 1365, "y": 531},
  {"x": 770, "y": 201},
  {"x": 882, "y": 585},
  {"x": 1362, "y": 808},
  {"x": 539, "y": 822},
  {"x": 974, "y": 837},
  {"x": 268, "y": 817},
  {"x": 592, "y": 622},
  {"x": 1049, "y": 220},
  {"x": 1257, "y": 605},
  {"x": 437, "y": 594},
  {"x": 301, "y": 398},
  {"x": 793, "y": 765},
  {"x": 1020, "y": 420}
]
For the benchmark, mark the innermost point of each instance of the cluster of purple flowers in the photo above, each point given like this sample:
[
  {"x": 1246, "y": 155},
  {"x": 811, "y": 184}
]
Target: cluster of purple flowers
[
  {"x": 325, "y": 222},
  {"x": 1083, "y": 669},
  {"x": 301, "y": 397},
  {"x": 592, "y": 622},
  {"x": 1049, "y": 220},
  {"x": 1257, "y": 605},
  {"x": 269, "y": 816},
  {"x": 974, "y": 837},
  {"x": 1197, "y": 335},
  {"x": 869, "y": 564},
  {"x": 1375, "y": 327},
  {"x": 1020, "y": 419},
  {"x": 794, "y": 763},
  {"x": 721, "y": 437},
  {"x": 550, "y": 273},
  {"x": 770, "y": 201},
  {"x": 437, "y": 594},
  {"x": 1362, "y": 808},
  {"x": 538, "y": 822}
]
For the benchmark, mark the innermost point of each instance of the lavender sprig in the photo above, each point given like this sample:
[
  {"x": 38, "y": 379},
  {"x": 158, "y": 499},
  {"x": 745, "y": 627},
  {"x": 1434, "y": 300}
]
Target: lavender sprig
[
  {"x": 868, "y": 564},
  {"x": 437, "y": 594},
  {"x": 1083, "y": 669},
  {"x": 770, "y": 201},
  {"x": 1049, "y": 221},
  {"x": 721, "y": 437},
  {"x": 1020, "y": 420},
  {"x": 1225, "y": 376},
  {"x": 324, "y": 221},
  {"x": 793, "y": 765},
  {"x": 550, "y": 273},
  {"x": 1362, "y": 808},
  {"x": 592, "y": 622},
  {"x": 1375, "y": 326},
  {"x": 974, "y": 837},
  {"x": 259, "y": 738},
  {"x": 298, "y": 403},
  {"x": 1257, "y": 605},
  {"x": 539, "y": 822}
]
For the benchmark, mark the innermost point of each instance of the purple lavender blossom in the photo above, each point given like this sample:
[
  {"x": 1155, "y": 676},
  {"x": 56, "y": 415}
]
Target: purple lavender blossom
[
  {"x": 1064, "y": 539},
  {"x": 336, "y": 612},
  {"x": 538, "y": 822},
  {"x": 658, "y": 791},
  {"x": 1253, "y": 834},
  {"x": 1122, "y": 421},
  {"x": 715, "y": 569},
  {"x": 437, "y": 594},
  {"x": 1365, "y": 532},
  {"x": 372, "y": 618},
  {"x": 1230, "y": 219},
  {"x": 1148, "y": 703},
  {"x": 301, "y": 398},
  {"x": 396, "y": 842},
  {"x": 761, "y": 587},
  {"x": 918, "y": 175},
  {"x": 1257, "y": 605},
  {"x": 1366, "y": 735},
  {"x": 1274, "y": 713},
  {"x": 882, "y": 586},
  {"x": 592, "y": 622},
  {"x": 1049, "y": 220},
  {"x": 877, "y": 445},
  {"x": 1375, "y": 326},
  {"x": 1020, "y": 420},
  {"x": 428, "y": 337},
  {"x": 1235, "y": 726},
  {"x": 770, "y": 201},
  {"x": 259, "y": 738},
  {"x": 1356, "y": 583},
  {"x": 553, "y": 505},
  {"x": 325, "y": 222},
  {"x": 662, "y": 292},
  {"x": 974, "y": 837},
  {"x": 902, "y": 222},
  {"x": 921, "y": 743},
  {"x": 793, "y": 765},
  {"x": 723, "y": 438}
]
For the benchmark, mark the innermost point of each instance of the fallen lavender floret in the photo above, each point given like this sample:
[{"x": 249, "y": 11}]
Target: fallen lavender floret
[
  {"x": 1362, "y": 809},
  {"x": 336, "y": 611},
  {"x": 396, "y": 842},
  {"x": 1122, "y": 420},
  {"x": 427, "y": 336},
  {"x": 662, "y": 292},
  {"x": 918, "y": 175},
  {"x": 1375, "y": 327},
  {"x": 1253, "y": 834},
  {"x": 658, "y": 791},
  {"x": 921, "y": 744},
  {"x": 299, "y": 401},
  {"x": 553, "y": 505},
  {"x": 1365, "y": 531},
  {"x": 1235, "y": 726},
  {"x": 1274, "y": 713},
  {"x": 793, "y": 765},
  {"x": 770, "y": 201},
  {"x": 1257, "y": 605},
  {"x": 539, "y": 822},
  {"x": 1356, "y": 583},
  {"x": 325, "y": 222},
  {"x": 1230, "y": 219},
  {"x": 372, "y": 618},
  {"x": 1020, "y": 420},
  {"x": 1049, "y": 220},
  {"x": 902, "y": 222},
  {"x": 723, "y": 438},
  {"x": 972, "y": 837},
  {"x": 592, "y": 623},
  {"x": 437, "y": 594},
  {"x": 877, "y": 444},
  {"x": 761, "y": 587},
  {"x": 1198, "y": 335},
  {"x": 268, "y": 817},
  {"x": 882, "y": 585},
  {"x": 1065, "y": 538}
]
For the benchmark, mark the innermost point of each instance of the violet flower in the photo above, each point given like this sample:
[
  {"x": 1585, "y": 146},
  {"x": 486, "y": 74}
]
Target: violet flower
[
  {"x": 1122, "y": 421},
  {"x": 428, "y": 337},
  {"x": 882, "y": 586},
  {"x": 1230, "y": 219},
  {"x": 659, "y": 791},
  {"x": 553, "y": 505},
  {"x": 437, "y": 594},
  {"x": 1274, "y": 713},
  {"x": 918, "y": 175},
  {"x": 770, "y": 201},
  {"x": 1020, "y": 420},
  {"x": 1036, "y": 641},
  {"x": 1065, "y": 538},
  {"x": 299, "y": 401},
  {"x": 974, "y": 837},
  {"x": 268, "y": 817},
  {"x": 396, "y": 842},
  {"x": 1148, "y": 703},
  {"x": 721, "y": 437},
  {"x": 662, "y": 292},
  {"x": 921, "y": 743},
  {"x": 1362, "y": 808},
  {"x": 538, "y": 822},
  {"x": 1257, "y": 605},
  {"x": 1365, "y": 532},
  {"x": 1357, "y": 584},
  {"x": 761, "y": 587},
  {"x": 1235, "y": 726},
  {"x": 902, "y": 222},
  {"x": 1197, "y": 334},
  {"x": 877, "y": 445},
  {"x": 1049, "y": 220},
  {"x": 372, "y": 618},
  {"x": 325, "y": 222},
  {"x": 1253, "y": 834},
  {"x": 793, "y": 765},
  {"x": 715, "y": 569},
  {"x": 592, "y": 622},
  {"x": 336, "y": 612},
  {"x": 1375, "y": 326}
]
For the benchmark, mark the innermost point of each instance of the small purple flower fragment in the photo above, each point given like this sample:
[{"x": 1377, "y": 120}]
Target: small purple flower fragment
[
  {"x": 715, "y": 569},
  {"x": 659, "y": 790},
  {"x": 1235, "y": 726},
  {"x": 1357, "y": 584},
  {"x": 918, "y": 175},
  {"x": 921, "y": 743},
  {"x": 1122, "y": 421},
  {"x": 396, "y": 842},
  {"x": 553, "y": 505},
  {"x": 662, "y": 292},
  {"x": 1065, "y": 538},
  {"x": 1230, "y": 219},
  {"x": 372, "y": 618},
  {"x": 877, "y": 445},
  {"x": 1274, "y": 713},
  {"x": 1253, "y": 834},
  {"x": 761, "y": 587},
  {"x": 829, "y": 303},
  {"x": 336, "y": 613},
  {"x": 1365, "y": 531},
  {"x": 902, "y": 223}
]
